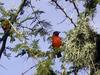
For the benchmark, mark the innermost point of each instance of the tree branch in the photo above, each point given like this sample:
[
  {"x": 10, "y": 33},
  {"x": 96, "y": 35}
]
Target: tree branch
[
  {"x": 20, "y": 7},
  {"x": 28, "y": 69},
  {"x": 72, "y": 1},
  {"x": 26, "y": 19},
  {"x": 64, "y": 12},
  {"x": 26, "y": 27},
  {"x": 4, "y": 43},
  {"x": 5, "y": 36}
]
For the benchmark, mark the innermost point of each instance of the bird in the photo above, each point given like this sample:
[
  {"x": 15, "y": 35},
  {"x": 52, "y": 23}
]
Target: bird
[{"x": 56, "y": 42}]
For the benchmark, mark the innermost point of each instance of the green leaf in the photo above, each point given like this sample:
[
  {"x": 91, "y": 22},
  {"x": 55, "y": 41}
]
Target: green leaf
[
  {"x": 20, "y": 46},
  {"x": 3, "y": 11},
  {"x": 12, "y": 39},
  {"x": 44, "y": 68},
  {"x": 35, "y": 45}
]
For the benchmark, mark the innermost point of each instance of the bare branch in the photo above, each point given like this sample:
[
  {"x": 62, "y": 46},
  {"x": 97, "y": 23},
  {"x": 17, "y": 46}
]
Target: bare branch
[
  {"x": 21, "y": 6},
  {"x": 72, "y": 1},
  {"x": 28, "y": 18},
  {"x": 5, "y": 36},
  {"x": 28, "y": 69},
  {"x": 64, "y": 12}
]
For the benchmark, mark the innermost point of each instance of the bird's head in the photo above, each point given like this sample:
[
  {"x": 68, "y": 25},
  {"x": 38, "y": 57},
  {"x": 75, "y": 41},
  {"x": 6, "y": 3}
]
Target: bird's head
[{"x": 56, "y": 33}]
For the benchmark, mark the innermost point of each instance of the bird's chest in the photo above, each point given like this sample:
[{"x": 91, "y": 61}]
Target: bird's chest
[{"x": 56, "y": 41}]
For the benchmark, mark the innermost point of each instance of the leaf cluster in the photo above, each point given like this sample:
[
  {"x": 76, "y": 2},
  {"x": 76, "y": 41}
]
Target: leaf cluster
[
  {"x": 44, "y": 68},
  {"x": 80, "y": 45},
  {"x": 90, "y": 7}
]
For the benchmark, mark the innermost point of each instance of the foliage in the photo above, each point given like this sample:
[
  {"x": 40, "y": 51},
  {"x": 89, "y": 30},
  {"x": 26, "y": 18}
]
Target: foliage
[
  {"x": 97, "y": 72},
  {"x": 90, "y": 6},
  {"x": 44, "y": 68},
  {"x": 80, "y": 45},
  {"x": 21, "y": 31}
]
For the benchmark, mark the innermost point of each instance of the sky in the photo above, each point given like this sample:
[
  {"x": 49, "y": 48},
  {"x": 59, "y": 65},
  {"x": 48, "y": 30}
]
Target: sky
[{"x": 15, "y": 66}]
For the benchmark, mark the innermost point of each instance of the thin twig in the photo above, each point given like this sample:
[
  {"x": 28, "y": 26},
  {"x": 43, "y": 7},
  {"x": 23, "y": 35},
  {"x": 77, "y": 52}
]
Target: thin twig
[
  {"x": 19, "y": 33},
  {"x": 28, "y": 18},
  {"x": 62, "y": 21},
  {"x": 76, "y": 8},
  {"x": 3, "y": 67},
  {"x": 28, "y": 70},
  {"x": 21, "y": 7},
  {"x": 64, "y": 12},
  {"x": 26, "y": 28}
]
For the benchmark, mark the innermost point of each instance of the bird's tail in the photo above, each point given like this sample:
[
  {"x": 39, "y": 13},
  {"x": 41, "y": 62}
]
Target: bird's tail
[{"x": 59, "y": 55}]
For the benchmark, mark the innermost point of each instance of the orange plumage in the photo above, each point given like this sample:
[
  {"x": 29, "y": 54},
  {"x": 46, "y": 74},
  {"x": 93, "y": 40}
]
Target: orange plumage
[{"x": 56, "y": 42}]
